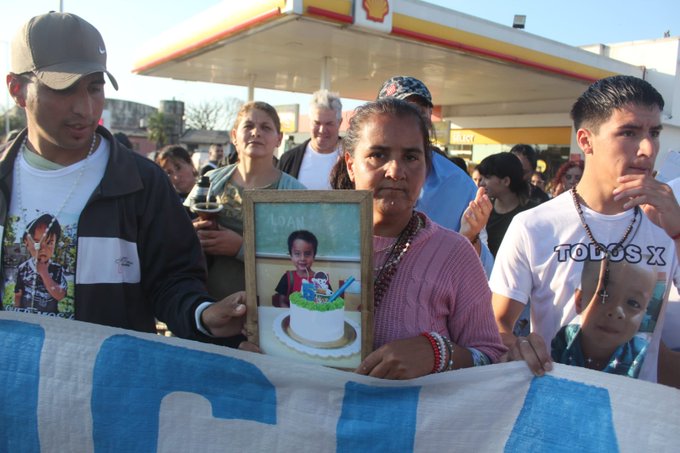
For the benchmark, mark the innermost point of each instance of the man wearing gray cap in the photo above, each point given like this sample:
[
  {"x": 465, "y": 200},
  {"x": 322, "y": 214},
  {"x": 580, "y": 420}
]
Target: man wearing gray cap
[
  {"x": 137, "y": 256},
  {"x": 449, "y": 195}
]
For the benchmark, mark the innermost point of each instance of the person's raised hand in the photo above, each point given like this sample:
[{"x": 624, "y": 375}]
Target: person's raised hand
[
  {"x": 225, "y": 318},
  {"x": 532, "y": 350},
  {"x": 401, "y": 359},
  {"x": 476, "y": 215},
  {"x": 654, "y": 197}
]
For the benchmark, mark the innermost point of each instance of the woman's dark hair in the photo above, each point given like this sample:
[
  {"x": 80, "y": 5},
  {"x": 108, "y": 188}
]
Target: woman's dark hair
[
  {"x": 339, "y": 177},
  {"x": 506, "y": 165},
  {"x": 460, "y": 162},
  {"x": 527, "y": 151},
  {"x": 45, "y": 220},
  {"x": 304, "y": 235},
  {"x": 175, "y": 152}
]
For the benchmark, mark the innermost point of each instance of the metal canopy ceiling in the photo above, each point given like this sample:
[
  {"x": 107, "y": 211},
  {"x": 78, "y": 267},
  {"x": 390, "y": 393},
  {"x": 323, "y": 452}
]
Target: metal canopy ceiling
[{"x": 289, "y": 52}]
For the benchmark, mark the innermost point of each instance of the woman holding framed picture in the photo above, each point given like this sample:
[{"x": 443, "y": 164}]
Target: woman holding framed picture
[{"x": 432, "y": 303}]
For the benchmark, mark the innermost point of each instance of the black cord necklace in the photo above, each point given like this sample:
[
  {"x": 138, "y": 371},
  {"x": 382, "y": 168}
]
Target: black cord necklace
[{"x": 603, "y": 294}]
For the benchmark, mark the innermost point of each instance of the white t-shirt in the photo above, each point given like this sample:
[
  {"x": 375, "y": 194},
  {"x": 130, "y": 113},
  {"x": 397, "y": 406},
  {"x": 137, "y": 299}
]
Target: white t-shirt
[
  {"x": 671, "y": 326},
  {"x": 40, "y": 193},
  {"x": 316, "y": 167},
  {"x": 542, "y": 258}
]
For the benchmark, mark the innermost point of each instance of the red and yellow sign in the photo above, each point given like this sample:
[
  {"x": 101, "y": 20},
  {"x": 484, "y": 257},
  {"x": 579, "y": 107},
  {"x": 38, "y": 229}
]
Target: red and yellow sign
[
  {"x": 495, "y": 136},
  {"x": 376, "y": 10}
]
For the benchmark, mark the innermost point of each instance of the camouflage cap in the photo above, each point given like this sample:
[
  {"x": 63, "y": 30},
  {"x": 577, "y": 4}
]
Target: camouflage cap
[{"x": 401, "y": 87}]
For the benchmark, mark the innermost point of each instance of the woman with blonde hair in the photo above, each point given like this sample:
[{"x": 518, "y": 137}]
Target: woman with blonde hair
[{"x": 256, "y": 136}]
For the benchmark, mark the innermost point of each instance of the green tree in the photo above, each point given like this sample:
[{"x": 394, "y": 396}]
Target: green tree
[{"x": 157, "y": 129}]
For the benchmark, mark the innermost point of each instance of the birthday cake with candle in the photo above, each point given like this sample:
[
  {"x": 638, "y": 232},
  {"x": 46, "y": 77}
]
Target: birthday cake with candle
[{"x": 314, "y": 318}]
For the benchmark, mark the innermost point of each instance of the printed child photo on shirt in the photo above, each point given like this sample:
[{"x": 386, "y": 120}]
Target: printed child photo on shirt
[
  {"x": 36, "y": 277},
  {"x": 612, "y": 331}
]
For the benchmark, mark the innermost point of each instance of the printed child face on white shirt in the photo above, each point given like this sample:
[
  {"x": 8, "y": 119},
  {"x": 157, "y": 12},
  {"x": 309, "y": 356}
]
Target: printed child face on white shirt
[
  {"x": 46, "y": 246},
  {"x": 612, "y": 323}
]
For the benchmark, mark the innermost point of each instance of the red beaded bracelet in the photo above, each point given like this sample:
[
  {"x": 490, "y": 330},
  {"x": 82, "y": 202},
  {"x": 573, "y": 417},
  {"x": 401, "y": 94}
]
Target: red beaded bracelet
[
  {"x": 676, "y": 237},
  {"x": 435, "y": 349}
]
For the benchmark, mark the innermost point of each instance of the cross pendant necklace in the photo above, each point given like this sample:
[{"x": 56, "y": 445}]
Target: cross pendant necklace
[{"x": 603, "y": 294}]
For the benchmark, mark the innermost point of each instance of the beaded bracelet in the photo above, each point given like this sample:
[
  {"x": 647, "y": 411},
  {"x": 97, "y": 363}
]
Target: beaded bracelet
[
  {"x": 449, "y": 349},
  {"x": 442, "y": 351},
  {"x": 676, "y": 237},
  {"x": 435, "y": 349}
]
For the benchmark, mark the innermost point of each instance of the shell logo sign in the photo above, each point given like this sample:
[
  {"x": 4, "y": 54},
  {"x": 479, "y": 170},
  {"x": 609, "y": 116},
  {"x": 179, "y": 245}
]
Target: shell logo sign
[
  {"x": 375, "y": 15},
  {"x": 376, "y": 10}
]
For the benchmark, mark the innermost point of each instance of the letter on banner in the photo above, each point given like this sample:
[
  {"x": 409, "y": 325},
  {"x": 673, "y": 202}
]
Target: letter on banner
[
  {"x": 564, "y": 416},
  {"x": 377, "y": 418},
  {"x": 131, "y": 377},
  {"x": 20, "y": 355}
]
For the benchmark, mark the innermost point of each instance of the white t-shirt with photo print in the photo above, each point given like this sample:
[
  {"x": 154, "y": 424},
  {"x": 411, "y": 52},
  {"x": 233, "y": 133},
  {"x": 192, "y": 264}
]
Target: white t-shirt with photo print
[
  {"x": 35, "y": 193},
  {"x": 543, "y": 252}
]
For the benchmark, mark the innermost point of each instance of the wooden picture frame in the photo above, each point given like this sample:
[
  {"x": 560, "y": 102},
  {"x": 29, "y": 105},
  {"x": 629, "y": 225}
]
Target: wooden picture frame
[{"x": 342, "y": 223}]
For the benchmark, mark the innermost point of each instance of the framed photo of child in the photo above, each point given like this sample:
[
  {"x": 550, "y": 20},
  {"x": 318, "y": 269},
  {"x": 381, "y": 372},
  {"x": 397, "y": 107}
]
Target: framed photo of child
[{"x": 309, "y": 279}]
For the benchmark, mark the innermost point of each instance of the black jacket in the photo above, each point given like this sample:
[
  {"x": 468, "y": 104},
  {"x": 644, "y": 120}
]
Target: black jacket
[
  {"x": 135, "y": 220},
  {"x": 291, "y": 160}
]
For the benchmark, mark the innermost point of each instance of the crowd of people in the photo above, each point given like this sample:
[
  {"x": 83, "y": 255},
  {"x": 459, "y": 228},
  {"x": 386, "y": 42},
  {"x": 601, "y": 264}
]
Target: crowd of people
[{"x": 590, "y": 260}]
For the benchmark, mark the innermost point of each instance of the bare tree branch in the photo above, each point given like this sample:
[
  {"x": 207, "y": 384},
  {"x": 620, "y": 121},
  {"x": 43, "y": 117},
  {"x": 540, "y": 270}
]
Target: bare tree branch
[{"x": 213, "y": 115}]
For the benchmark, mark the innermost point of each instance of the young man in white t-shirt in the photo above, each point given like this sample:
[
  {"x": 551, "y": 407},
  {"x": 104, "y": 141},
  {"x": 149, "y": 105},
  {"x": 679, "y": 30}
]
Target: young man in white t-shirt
[{"x": 617, "y": 212}]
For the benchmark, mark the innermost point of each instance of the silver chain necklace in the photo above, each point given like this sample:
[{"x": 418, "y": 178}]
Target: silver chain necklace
[{"x": 37, "y": 245}]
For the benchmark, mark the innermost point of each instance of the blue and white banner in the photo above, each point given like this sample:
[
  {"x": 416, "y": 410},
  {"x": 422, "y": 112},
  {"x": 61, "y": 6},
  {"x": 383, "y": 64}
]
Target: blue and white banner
[{"x": 72, "y": 386}]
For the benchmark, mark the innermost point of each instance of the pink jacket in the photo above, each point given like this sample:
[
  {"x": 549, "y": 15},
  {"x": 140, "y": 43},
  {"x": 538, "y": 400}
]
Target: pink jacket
[{"x": 439, "y": 286}]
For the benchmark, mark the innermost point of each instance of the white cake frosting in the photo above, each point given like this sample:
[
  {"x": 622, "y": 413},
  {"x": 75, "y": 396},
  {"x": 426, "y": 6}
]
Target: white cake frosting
[{"x": 317, "y": 326}]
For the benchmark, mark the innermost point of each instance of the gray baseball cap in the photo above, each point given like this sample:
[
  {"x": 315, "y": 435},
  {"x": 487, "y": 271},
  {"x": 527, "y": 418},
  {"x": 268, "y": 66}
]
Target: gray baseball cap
[{"x": 59, "y": 48}]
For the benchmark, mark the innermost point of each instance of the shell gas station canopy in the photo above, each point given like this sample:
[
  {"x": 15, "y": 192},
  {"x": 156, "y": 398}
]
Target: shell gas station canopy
[
  {"x": 352, "y": 47},
  {"x": 475, "y": 69}
]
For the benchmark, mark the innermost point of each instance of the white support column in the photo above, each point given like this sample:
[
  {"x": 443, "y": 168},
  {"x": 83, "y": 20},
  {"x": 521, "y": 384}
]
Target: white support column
[
  {"x": 325, "y": 74},
  {"x": 251, "y": 87}
]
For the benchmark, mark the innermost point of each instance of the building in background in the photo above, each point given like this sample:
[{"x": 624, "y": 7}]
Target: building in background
[{"x": 129, "y": 118}]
